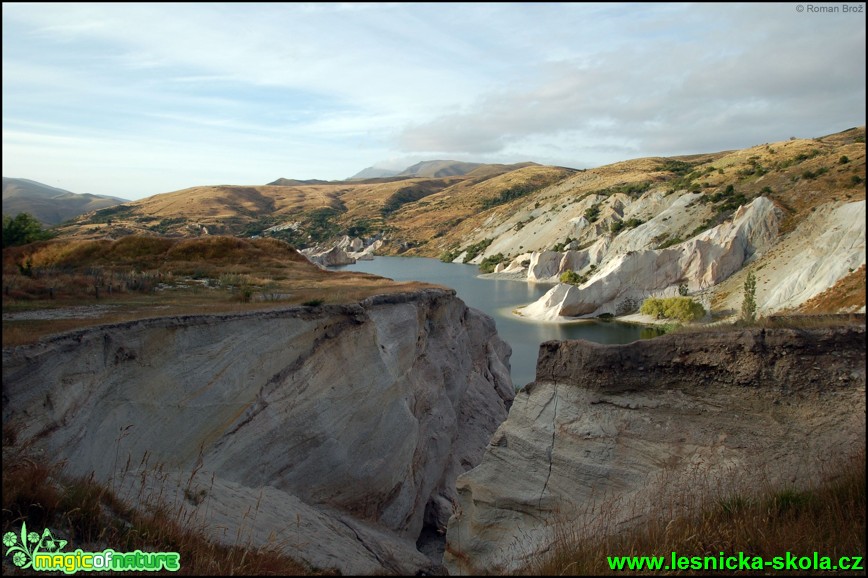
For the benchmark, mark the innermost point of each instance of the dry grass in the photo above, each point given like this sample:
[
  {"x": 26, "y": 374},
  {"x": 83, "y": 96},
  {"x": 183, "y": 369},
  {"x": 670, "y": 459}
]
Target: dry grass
[
  {"x": 780, "y": 321},
  {"x": 89, "y": 515},
  {"x": 139, "y": 277},
  {"x": 798, "y": 174},
  {"x": 828, "y": 518},
  {"x": 454, "y": 213},
  {"x": 228, "y": 209},
  {"x": 848, "y": 294}
]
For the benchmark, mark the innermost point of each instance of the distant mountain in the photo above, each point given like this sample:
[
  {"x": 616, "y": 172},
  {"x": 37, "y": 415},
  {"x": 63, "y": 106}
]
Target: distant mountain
[
  {"x": 50, "y": 205},
  {"x": 372, "y": 173},
  {"x": 436, "y": 169},
  {"x": 296, "y": 183}
]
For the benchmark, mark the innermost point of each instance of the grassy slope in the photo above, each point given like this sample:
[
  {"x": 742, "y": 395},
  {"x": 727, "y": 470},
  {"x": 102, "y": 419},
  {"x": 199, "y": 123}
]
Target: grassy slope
[
  {"x": 428, "y": 216},
  {"x": 797, "y": 174},
  {"x": 137, "y": 277},
  {"x": 828, "y": 519},
  {"x": 230, "y": 209},
  {"x": 90, "y": 516}
]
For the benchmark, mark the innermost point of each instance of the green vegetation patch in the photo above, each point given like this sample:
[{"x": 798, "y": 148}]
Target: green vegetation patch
[
  {"x": 680, "y": 308},
  {"x": 675, "y": 166},
  {"x": 108, "y": 214},
  {"x": 488, "y": 264},
  {"x": 22, "y": 229},
  {"x": 512, "y": 193},
  {"x": 476, "y": 249},
  {"x": 572, "y": 278},
  {"x": 631, "y": 223}
]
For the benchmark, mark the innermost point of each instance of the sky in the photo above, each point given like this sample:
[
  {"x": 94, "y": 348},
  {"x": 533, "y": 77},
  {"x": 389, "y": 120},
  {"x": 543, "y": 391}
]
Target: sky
[{"x": 136, "y": 99}]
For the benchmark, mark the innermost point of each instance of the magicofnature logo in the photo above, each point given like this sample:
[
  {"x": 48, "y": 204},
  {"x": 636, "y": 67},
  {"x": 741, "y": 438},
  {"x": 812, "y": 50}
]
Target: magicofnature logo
[{"x": 45, "y": 553}]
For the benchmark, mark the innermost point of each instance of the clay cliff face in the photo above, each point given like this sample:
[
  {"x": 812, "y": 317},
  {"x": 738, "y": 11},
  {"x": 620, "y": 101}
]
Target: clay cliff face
[
  {"x": 822, "y": 249},
  {"x": 342, "y": 428},
  {"x": 610, "y": 430}
]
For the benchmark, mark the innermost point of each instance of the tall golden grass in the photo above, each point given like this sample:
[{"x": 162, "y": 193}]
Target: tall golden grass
[
  {"x": 87, "y": 513},
  {"x": 137, "y": 277},
  {"x": 828, "y": 518}
]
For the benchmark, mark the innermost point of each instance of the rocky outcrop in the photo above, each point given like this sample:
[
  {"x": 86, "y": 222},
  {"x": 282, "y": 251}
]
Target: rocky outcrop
[
  {"x": 705, "y": 260},
  {"x": 823, "y": 249},
  {"x": 333, "y": 257},
  {"x": 336, "y": 432},
  {"x": 608, "y": 431},
  {"x": 346, "y": 251},
  {"x": 366, "y": 253},
  {"x": 544, "y": 266}
]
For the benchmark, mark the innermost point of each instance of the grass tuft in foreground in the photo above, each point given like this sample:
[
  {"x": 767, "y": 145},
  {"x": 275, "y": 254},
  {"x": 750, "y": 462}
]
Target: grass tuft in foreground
[
  {"x": 90, "y": 516},
  {"x": 828, "y": 519}
]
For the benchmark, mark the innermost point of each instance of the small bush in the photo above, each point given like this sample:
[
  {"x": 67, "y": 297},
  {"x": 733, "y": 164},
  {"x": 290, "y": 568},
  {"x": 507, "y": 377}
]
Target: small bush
[
  {"x": 680, "y": 308},
  {"x": 21, "y": 229},
  {"x": 571, "y": 277},
  {"x": 488, "y": 264},
  {"x": 476, "y": 249},
  {"x": 313, "y": 303},
  {"x": 669, "y": 241},
  {"x": 748, "y": 304},
  {"x": 449, "y": 256}
]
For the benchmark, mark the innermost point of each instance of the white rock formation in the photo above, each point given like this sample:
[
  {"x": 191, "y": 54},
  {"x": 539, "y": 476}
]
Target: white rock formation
[
  {"x": 544, "y": 266},
  {"x": 351, "y": 245},
  {"x": 516, "y": 265},
  {"x": 621, "y": 284},
  {"x": 822, "y": 250},
  {"x": 349, "y": 423},
  {"x": 609, "y": 431},
  {"x": 330, "y": 258},
  {"x": 366, "y": 253}
]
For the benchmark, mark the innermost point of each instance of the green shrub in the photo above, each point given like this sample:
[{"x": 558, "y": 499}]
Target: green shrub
[
  {"x": 449, "y": 256},
  {"x": 630, "y": 223},
  {"x": 748, "y": 304},
  {"x": 475, "y": 249},
  {"x": 488, "y": 264},
  {"x": 680, "y": 308},
  {"x": 22, "y": 229},
  {"x": 675, "y": 166},
  {"x": 573, "y": 278},
  {"x": 669, "y": 241}
]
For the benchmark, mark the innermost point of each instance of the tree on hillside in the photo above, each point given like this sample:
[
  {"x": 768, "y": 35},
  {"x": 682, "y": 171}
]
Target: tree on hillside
[
  {"x": 748, "y": 304},
  {"x": 21, "y": 229}
]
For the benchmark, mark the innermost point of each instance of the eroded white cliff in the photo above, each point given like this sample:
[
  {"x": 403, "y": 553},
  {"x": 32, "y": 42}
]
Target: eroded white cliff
[
  {"x": 342, "y": 428},
  {"x": 625, "y": 279},
  {"x": 609, "y": 431}
]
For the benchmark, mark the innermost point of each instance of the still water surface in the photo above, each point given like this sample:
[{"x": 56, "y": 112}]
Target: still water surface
[{"x": 498, "y": 297}]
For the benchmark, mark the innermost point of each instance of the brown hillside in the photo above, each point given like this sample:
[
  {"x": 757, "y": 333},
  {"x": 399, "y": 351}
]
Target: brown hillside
[
  {"x": 54, "y": 286},
  {"x": 330, "y": 208},
  {"x": 430, "y": 216},
  {"x": 848, "y": 294}
]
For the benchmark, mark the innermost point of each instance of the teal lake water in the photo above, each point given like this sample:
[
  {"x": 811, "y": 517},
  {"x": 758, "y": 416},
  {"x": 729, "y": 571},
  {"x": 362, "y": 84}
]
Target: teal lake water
[{"x": 498, "y": 297}]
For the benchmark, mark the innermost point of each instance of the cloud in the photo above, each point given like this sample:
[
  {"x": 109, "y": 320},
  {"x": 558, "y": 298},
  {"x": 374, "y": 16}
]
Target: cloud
[
  {"x": 322, "y": 90},
  {"x": 744, "y": 82}
]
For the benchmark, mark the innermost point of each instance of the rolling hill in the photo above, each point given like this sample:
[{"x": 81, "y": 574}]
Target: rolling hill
[
  {"x": 524, "y": 217},
  {"x": 310, "y": 212},
  {"x": 49, "y": 205}
]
